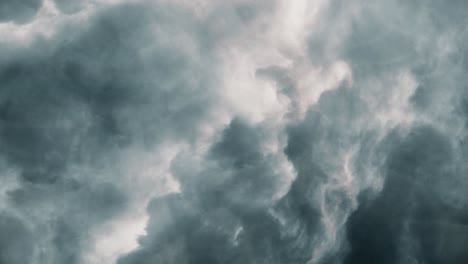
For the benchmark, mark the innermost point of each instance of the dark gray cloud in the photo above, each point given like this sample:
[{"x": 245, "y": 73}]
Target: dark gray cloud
[
  {"x": 403, "y": 223},
  {"x": 222, "y": 214},
  {"x": 69, "y": 6},
  {"x": 372, "y": 169},
  {"x": 72, "y": 103},
  {"x": 420, "y": 215},
  {"x": 19, "y": 11},
  {"x": 414, "y": 213},
  {"x": 80, "y": 97},
  {"x": 217, "y": 218},
  {"x": 16, "y": 245}
]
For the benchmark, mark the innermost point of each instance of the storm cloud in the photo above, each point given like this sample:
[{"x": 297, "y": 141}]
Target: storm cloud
[{"x": 235, "y": 131}]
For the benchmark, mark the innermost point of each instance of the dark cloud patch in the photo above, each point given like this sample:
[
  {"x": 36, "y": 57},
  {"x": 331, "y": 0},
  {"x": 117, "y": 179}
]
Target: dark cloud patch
[
  {"x": 325, "y": 131},
  {"x": 84, "y": 96},
  {"x": 69, "y": 6},
  {"x": 254, "y": 178},
  {"x": 381, "y": 37},
  {"x": 16, "y": 242},
  {"x": 158, "y": 84},
  {"x": 411, "y": 214},
  {"x": 316, "y": 147},
  {"x": 19, "y": 11},
  {"x": 87, "y": 207},
  {"x": 376, "y": 45},
  {"x": 421, "y": 99},
  {"x": 464, "y": 109},
  {"x": 409, "y": 220},
  {"x": 443, "y": 16},
  {"x": 72, "y": 103},
  {"x": 420, "y": 205},
  {"x": 218, "y": 218},
  {"x": 179, "y": 232},
  {"x": 246, "y": 11},
  {"x": 222, "y": 215},
  {"x": 236, "y": 171}
]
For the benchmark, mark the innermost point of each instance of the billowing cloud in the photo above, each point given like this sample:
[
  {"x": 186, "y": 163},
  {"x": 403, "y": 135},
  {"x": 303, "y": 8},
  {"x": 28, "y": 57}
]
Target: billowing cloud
[{"x": 233, "y": 131}]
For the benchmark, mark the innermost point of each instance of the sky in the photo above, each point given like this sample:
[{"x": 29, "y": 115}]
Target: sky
[{"x": 235, "y": 131}]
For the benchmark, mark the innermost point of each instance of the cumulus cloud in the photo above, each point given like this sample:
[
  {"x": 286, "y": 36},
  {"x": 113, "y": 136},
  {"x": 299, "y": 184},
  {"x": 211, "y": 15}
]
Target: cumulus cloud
[{"x": 234, "y": 131}]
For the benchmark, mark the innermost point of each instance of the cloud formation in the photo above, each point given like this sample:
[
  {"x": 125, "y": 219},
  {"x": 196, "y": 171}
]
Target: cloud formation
[{"x": 236, "y": 131}]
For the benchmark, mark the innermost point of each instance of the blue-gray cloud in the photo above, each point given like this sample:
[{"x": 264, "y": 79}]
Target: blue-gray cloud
[
  {"x": 335, "y": 137},
  {"x": 19, "y": 11}
]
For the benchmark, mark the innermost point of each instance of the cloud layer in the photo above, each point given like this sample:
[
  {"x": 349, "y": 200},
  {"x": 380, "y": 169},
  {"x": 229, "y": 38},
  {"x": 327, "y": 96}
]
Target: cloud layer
[{"x": 236, "y": 131}]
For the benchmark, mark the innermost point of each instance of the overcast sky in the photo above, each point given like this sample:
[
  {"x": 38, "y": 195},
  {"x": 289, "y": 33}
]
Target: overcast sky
[{"x": 235, "y": 131}]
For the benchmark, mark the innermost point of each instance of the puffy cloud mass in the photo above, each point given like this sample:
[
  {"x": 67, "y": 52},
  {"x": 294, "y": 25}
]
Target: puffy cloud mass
[{"x": 177, "y": 131}]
